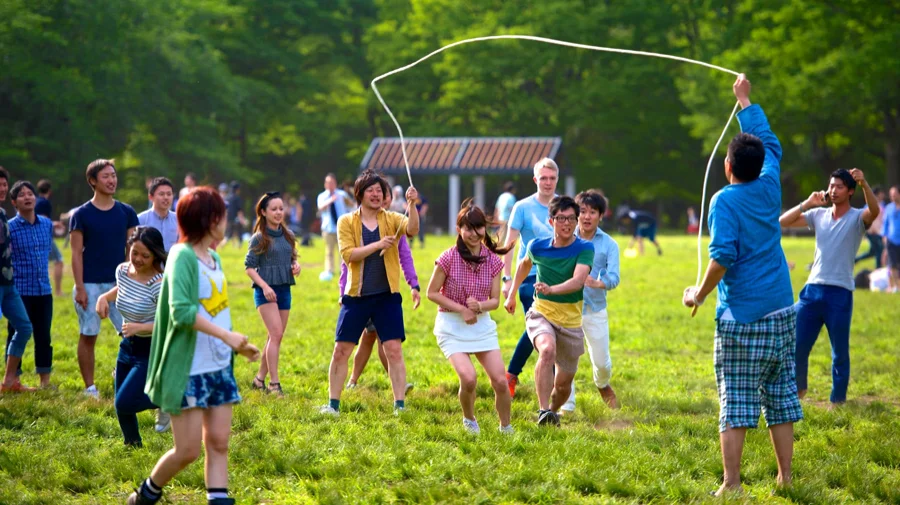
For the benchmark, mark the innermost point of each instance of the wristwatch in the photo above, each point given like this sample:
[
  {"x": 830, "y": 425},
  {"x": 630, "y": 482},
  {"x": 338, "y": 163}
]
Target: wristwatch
[
  {"x": 506, "y": 278},
  {"x": 416, "y": 287}
]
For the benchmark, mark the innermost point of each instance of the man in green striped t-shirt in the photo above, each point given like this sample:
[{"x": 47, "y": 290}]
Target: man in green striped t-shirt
[{"x": 554, "y": 322}]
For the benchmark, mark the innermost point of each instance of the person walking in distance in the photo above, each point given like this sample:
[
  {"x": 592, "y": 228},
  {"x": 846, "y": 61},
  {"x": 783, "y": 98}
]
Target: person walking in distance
[
  {"x": 98, "y": 230},
  {"x": 332, "y": 205}
]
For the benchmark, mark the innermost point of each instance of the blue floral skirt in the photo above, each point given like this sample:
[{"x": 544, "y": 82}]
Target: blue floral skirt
[{"x": 211, "y": 389}]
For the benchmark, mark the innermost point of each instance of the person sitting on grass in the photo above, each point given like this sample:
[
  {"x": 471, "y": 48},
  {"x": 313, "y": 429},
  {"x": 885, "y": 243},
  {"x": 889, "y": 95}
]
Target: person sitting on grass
[
  {"x": 136, "y": 295},
  {"x": 271, "y": 263},
  {"x": 191, "y": 370},
  {"x": 827, "y": 298},
  {"x": 756, "y": 325},
  {"x": 370, "y": 334},
  {"x": 554, "y": 321},
  {"x": 466, "y": 287}
]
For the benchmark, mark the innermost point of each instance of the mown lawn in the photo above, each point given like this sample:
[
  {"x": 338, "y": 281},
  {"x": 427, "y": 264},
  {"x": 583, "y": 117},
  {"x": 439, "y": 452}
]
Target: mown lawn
[{"x": 661, "y": 447}]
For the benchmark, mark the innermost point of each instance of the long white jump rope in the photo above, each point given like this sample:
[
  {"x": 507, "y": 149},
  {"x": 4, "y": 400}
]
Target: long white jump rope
[{"x": 578, "y": 46}]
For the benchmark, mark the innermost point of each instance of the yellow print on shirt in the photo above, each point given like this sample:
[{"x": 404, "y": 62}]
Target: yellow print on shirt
[{"x": 218, "y": 300}]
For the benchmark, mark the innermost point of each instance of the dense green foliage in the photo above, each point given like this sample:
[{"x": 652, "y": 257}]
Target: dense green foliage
[
  {"x": 661, "y": 447},
  {"x": 276, "y": 93}
]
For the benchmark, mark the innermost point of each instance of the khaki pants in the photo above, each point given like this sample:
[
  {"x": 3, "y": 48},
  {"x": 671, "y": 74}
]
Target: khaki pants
[{"x": 330, "y": 246}]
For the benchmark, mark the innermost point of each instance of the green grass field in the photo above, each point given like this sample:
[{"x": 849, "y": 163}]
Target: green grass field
[{"x": 661, "y": 447}]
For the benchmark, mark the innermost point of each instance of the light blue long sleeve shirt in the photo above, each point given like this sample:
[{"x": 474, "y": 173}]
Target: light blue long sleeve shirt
[
  {"x": 746, "y": 236},
  {"x": 605, "y": 268},
  {"x": 892, "y": 223}
]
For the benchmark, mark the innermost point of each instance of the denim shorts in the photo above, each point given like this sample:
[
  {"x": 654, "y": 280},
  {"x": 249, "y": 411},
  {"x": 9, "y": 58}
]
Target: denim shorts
[
  {"x": 88, "y": 319},
  {"x": 55, "y": 254},
  {"x": 211, "y": 389},
  {"x": 282, "y": 294}
]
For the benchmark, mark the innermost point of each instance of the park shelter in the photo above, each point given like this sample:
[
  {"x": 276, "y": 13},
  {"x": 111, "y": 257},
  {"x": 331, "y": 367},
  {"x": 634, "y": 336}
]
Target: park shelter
[{"x": 470, "y": 157}]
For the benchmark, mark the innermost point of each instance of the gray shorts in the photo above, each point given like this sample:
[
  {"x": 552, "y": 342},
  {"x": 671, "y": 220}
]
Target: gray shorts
[
  {"x": 88, "y": 319},
  {"x": 55, "y": 254},
  {"x": 569, "y": 341}
]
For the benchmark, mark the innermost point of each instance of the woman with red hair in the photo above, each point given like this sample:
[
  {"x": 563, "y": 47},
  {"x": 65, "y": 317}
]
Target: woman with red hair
[{"x": 190, "y": 373}]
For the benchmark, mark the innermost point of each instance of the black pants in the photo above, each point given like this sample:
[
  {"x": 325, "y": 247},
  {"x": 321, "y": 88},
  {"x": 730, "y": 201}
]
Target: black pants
[{"x": 40, "y": 313}]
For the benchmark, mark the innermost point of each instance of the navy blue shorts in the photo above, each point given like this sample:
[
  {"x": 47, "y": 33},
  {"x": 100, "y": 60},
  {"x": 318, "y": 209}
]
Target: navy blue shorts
[
  {"x": 282, "y": 293},
  {"x": 648, "y": 232},
  {"x": 385, "y": 311}
]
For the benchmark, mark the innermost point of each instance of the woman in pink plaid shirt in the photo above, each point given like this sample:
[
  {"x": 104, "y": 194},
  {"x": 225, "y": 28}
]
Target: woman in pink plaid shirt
[{"x": 466, "y": 286}]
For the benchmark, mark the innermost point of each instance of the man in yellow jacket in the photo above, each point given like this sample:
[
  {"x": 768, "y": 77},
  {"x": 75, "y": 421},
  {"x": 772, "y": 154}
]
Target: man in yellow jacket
[{"x": 367, "y": 239}]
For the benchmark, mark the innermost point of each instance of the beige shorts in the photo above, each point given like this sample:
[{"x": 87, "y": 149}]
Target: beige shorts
[{"x": 569, "y": 341}]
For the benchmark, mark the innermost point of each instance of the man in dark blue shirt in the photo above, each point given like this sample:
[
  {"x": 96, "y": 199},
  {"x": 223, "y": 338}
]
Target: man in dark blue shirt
[
  {"x": 43, "y": 207},
  {"x": 98, "y": 231}
]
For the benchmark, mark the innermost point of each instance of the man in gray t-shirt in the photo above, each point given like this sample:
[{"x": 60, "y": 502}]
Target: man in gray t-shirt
[{"x": 827, "y": 298}]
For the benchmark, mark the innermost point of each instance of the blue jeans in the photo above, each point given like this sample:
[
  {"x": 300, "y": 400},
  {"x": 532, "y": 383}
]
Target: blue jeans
[
  {"x": 131, "y": 376},
  {"x": 876, "y": 247},
  {"x": 40, "y": 313},
  {"x": 524, "y": 348},
  {"x": 831, "y": 306},
  {"x": 14, "y": 310}
]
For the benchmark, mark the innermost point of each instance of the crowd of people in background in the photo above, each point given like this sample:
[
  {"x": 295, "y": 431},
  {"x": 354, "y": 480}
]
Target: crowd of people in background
[{"x": 155, "y": 275}]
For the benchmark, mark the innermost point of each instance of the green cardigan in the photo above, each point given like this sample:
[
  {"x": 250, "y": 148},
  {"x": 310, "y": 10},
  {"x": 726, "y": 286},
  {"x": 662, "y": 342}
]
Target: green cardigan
[{"x": 174, "y": 337}]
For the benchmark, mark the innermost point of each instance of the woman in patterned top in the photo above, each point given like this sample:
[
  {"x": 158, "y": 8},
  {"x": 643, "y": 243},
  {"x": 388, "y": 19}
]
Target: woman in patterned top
[
  {"x": 135, "y": 295},
  {"x": 271, "y": 264},
  {"x": 466, "y": 286}
]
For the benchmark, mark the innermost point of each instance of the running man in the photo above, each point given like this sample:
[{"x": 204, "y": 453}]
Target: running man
[{"x": 553, "y": 323}]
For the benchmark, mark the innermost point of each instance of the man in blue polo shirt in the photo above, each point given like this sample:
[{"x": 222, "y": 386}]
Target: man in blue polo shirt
[
  {"x": 160, "y": 215},
  {"x": 755, "y": 321},
  {"x": 332, "y": 204},
  {"x": 891, "y": 234},
  {"x": 98, "y": 231}
]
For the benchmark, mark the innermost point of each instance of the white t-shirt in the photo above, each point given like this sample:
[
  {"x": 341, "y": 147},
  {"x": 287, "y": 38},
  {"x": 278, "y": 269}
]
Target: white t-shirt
[{"x": 210, "y": 353}]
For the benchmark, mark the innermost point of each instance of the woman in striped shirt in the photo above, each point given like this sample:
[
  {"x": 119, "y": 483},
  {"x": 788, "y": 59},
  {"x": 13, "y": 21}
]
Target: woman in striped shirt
[{"x": 135, "y": 294}]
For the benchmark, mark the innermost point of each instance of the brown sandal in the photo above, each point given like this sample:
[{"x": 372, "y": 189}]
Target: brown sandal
[
  {"x": 258, "y": 384},
  {"x": 275, "y": 387}
]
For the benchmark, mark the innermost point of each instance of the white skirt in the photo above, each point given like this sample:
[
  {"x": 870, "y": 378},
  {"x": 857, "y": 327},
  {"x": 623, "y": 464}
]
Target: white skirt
[{"x": 454, "y": 335}]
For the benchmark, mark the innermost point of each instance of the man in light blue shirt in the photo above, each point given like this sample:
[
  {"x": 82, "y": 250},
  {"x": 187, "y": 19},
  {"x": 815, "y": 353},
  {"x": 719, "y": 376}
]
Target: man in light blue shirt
[
  {"x": 159, "y": 216},
  {"x": 332, "y": 205},
  {"x": 604, "y": 277},
  {"x": 755, "y": 340},
  {"x": 530, "y": 219}
]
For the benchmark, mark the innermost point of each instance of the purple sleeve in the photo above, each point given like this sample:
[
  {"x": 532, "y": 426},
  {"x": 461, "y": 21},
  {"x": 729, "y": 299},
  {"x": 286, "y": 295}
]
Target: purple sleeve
[
  {"x": 406, "y": 262},
  {"x": 342, "y": 281}
]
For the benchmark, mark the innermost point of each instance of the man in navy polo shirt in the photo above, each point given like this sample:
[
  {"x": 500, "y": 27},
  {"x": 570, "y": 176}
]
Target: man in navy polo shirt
[{"x": 98, "y": 231}]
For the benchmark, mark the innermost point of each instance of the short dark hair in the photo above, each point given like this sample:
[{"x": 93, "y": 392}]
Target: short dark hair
[
  {"x": 96, "y": 166},
  {"x": 509, "y": 187},
  {"x": 563, "y": 203},
  {"x": 160, "y": 181},
  {"x": 592, "y": 198},
  {"x": 746, "y": 154},
  {"x": 365, "y": 180},
  {"x": 845, "y": 177},
  {"x": 4, "y": 174},
  {"x": 17, "y": 188},
  {"x": 43, "y": 186},
  {"x": 197, "y": 212},
  {"x": 192, "y": 175}
]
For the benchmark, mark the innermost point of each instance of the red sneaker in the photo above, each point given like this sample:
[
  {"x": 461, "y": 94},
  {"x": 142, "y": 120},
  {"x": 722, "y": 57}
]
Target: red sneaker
[
  {"x": 512, "y": 380},
  {"x": 16, "y": 387}
]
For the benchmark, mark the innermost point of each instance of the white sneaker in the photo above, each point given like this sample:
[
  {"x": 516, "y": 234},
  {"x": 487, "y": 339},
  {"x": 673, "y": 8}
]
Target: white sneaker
[
  {"x": 399, "y": 411},
  {"x": 351, "y": 385},
  {"x": 471, "y": 426},
  {"x": 163, "y": 421},
  {"x": 92, "y": 392},
  {"x": 329, "y": 411},
  {"x": 326, "y": 276},
  {"x": 508, "y": 429}
]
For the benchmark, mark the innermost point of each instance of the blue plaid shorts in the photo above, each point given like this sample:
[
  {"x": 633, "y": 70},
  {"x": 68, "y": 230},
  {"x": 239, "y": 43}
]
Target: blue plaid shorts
[
  {"x": 211, "y": 389},
  {"x": 755, "y": 371}
]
